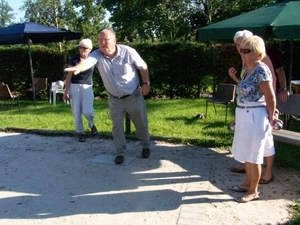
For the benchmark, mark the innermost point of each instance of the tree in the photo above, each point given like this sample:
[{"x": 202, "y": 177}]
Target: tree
[
  {"x": 217, "y": 10},
  {"x": 169, "y": 20},
  {"x": 90, "y": 18},
  {"x": 149, "y": 20},
  {"x": 47, "y": 12},
  {"x": 137, "y": 20},
  {"x": 86, "y": 16},
  {"x": 6, "y": 18}
]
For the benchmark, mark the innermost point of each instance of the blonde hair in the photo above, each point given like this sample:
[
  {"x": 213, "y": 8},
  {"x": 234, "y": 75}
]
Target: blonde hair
[
  {"x": 87, "y": 43},
  {"x": 256, "y": 44}
]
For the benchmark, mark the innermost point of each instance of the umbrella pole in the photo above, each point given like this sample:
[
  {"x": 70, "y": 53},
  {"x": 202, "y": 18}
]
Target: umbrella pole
[
  {"x": 31, "y": 71},
  {"x": 287, "y": 116},
  {"x": 291, "y": 65},
  {"x": 212, "y": 47}
]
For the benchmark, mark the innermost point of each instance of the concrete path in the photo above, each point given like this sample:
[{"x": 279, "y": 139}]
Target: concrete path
[{"x": 51, "y": 180}]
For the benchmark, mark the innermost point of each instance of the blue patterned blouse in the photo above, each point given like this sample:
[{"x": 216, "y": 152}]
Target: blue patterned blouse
[{"x": 248, "y": 90}]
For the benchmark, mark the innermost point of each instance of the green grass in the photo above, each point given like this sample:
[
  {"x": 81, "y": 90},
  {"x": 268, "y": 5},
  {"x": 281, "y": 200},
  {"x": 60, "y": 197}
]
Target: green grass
[
  {"x": 175, "y": 119},
  {"x": 171, "y": 118},
  {"x": 296, "y": 220},
  {"x": 167, "y": 118}
]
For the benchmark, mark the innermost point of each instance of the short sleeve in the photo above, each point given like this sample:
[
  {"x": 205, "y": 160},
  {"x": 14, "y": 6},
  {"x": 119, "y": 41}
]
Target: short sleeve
[{"x": 263, "y": 73}]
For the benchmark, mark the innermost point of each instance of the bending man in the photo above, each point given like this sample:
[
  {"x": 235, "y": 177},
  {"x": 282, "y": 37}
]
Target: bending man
[{"x": 118, "y": 66}]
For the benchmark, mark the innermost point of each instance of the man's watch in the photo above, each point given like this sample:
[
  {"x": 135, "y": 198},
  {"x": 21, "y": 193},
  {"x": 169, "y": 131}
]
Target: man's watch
[
  {"x": 148, "y": 83},
  {"x": 284, "y": 89}
]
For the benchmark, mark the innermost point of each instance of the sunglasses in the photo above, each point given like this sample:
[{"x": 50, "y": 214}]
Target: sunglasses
[
  {"x": 84, "y": 48},
  {"x": 245, "y": 50}
]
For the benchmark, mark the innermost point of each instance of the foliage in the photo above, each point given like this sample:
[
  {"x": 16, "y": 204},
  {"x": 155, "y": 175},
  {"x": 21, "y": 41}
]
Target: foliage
[
  {"x": 182, "y": 68},
  {"x": 136, "y": 20},
  {"x": 47, "y": 12},
  {"x": 89, "y": 18},
  {"x": 218, "y": 10},
  {"x": 296, "y": 220},
  {"x": 86, "y": 16},
  {"x": 16, "y": 69},
  {"x": 180, "y": 75},
  {"x": 176, "y": 69},
  {"x": 149, "y": 20},
  {"x": 6, "y": 17},
  {"x": 166, "y": 20}
]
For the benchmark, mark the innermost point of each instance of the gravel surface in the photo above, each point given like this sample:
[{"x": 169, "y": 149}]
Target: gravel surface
[{"x": 51, "y": 180}]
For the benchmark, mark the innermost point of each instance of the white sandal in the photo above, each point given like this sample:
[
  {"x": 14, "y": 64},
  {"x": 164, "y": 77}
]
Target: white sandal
[
  {"x": 238, "y": 188},
  {"x": 247, "y": 198}
]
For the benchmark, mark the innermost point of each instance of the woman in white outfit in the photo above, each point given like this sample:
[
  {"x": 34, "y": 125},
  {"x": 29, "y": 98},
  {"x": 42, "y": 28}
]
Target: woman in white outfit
[
  {"x": 255, "y": 116},
  {"x": 269, "y": 155},
  {"x": 79, "y": 89}
]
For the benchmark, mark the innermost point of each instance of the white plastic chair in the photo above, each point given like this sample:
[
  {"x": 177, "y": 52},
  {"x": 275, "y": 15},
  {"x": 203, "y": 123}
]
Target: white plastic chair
[{"x": 53, "y": 91}]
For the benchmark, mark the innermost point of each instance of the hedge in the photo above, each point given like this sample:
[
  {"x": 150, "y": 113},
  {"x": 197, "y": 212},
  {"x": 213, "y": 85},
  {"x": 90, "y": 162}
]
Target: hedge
[{"x": 176, "y": 69}]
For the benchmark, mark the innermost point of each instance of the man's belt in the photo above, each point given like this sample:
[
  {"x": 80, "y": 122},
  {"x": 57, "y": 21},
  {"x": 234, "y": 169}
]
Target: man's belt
[
  {"x": 249, "y": 107},
  {"x": 125, "y": 96}
]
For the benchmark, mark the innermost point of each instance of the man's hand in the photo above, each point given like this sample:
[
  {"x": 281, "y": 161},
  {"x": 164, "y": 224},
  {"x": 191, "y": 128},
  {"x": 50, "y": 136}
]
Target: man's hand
[
  {"x": 284, "y": 95},
  {"x": 232, "y": 73},
  {"x": 74, "y": 70},
  {"x": 145, "y": 89}
]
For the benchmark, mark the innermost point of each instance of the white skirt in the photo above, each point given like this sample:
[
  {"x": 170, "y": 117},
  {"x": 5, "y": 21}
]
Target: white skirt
[{"x": 253, "y": 139}]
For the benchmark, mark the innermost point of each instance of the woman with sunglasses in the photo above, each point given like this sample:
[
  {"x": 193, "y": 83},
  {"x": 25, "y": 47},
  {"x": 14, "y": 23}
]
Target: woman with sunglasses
[
  {"x": 79, "y": 89},
  {"x": 255, "y": 116},
  {"x": 269, "y": 155}
]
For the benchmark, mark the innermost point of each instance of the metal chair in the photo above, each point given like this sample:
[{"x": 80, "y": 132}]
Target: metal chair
[
  {"x": 290, "y": 108},
  {"x": 225, "y": 95},
  {"x": 40, "y": 85},
  {"x": 7, "y": 95}
]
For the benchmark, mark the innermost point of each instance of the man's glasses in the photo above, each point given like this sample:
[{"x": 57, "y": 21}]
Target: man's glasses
[
  {"x": 84, "y": 48},
  {"x": 104, "y": 39},
  {"x": 245, "y": 50}
]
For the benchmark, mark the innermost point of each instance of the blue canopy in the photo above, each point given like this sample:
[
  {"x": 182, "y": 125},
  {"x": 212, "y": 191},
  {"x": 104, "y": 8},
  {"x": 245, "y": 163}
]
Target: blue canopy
[
  {"x": 37, "y": 33},
  {"x": 23, "y": 33}
]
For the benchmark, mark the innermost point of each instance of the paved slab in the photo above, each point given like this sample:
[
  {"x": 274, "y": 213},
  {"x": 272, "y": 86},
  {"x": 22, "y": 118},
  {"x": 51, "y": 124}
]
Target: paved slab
[
  {"x": 110, "y": 159},
  {"x": 51, "y": 180}
]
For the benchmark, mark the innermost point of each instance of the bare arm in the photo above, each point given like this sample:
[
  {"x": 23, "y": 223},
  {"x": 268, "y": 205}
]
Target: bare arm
[
  {"x": 81, "y": 66},
  {"x": 267, "y": 90},
  {"x": 268, "y": 62},
  {"x": 284, "y": 94},
  {"x": 145, "y": 78},
  {"x": 67, "y": 85}
]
